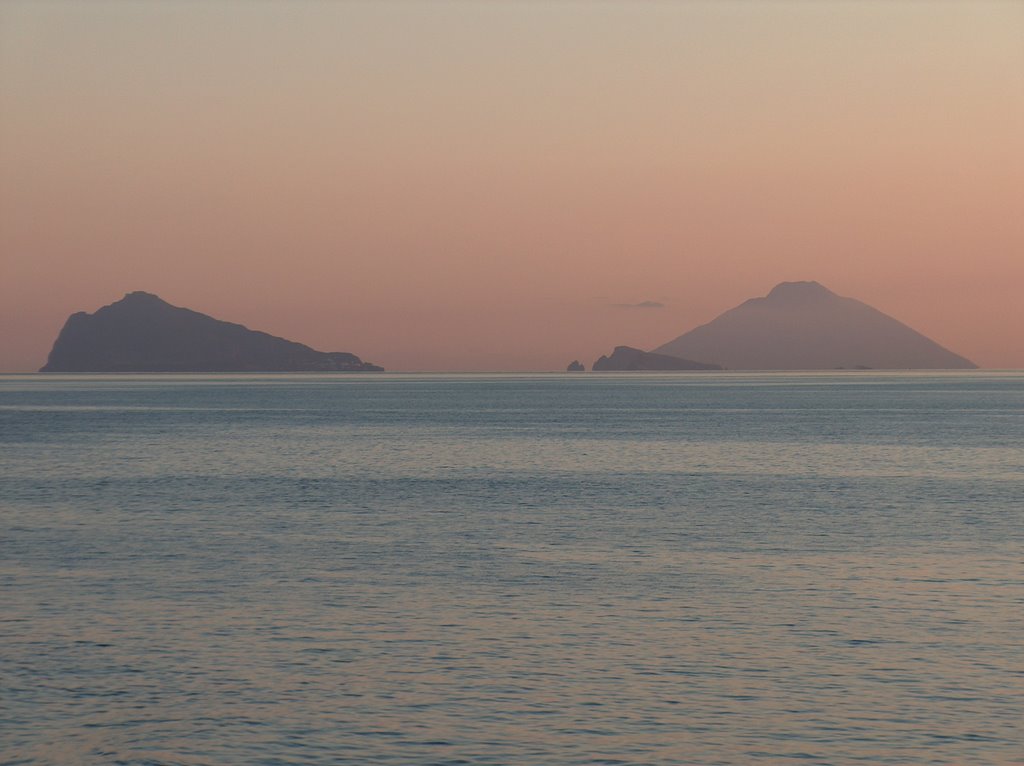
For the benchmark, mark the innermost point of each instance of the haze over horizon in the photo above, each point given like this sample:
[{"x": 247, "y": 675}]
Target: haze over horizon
[{"x": 510, "y": 186}]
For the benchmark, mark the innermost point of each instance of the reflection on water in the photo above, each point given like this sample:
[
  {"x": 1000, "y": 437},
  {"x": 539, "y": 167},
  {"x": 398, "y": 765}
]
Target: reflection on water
[{"x": 698, "y": 569}]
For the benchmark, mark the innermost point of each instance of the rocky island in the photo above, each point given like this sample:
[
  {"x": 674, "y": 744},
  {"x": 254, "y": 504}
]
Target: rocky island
[
  {"x": 628, "y": 359},
  {"x": 143, "y": 333}
]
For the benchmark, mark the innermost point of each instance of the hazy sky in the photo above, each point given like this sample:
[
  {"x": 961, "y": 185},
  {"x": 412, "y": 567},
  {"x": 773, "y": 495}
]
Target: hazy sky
[{"x": 488, "y": 185}]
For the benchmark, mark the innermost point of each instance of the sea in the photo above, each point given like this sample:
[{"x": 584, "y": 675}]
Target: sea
[{"x": 684, "y": 568}]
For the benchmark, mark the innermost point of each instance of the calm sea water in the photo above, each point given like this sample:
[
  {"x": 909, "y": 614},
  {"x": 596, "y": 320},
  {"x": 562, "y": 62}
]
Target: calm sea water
[{"x": 676, "y": 569}]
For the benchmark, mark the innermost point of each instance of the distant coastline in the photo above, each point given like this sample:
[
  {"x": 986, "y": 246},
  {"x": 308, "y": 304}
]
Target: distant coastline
[{"x": 796, "y": 326}]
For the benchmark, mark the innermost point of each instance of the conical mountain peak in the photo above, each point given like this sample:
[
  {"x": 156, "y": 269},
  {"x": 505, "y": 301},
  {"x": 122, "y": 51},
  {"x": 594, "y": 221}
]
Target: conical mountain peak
[
  {"x": 806, "y": 326},
  {"x": 792, "y": 291}
]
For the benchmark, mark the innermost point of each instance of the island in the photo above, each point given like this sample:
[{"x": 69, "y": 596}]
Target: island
[
  {"x": 628, "y": 359},
  {"x": 143, "y": 333},
  {"x": 806, "y": 326}
]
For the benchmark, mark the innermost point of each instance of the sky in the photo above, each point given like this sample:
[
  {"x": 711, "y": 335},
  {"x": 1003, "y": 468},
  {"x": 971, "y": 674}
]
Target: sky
[{"x": 510, "y": 185}]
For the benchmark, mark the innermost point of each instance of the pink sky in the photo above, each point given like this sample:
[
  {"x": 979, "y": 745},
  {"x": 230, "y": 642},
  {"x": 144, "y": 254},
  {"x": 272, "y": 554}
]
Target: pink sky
[{"x": 483, "y": 186}]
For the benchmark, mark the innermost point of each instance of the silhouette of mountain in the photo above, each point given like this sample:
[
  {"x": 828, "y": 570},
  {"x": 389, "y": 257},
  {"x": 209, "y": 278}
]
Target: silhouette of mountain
[
  {"x": 142, "y": 333},
  {"x": 625, "y": 359},
  {"x": 575, "y": 366},
  {"x": 805, "y": 326}
]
